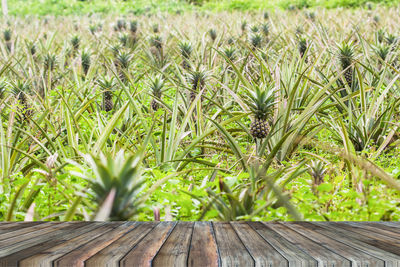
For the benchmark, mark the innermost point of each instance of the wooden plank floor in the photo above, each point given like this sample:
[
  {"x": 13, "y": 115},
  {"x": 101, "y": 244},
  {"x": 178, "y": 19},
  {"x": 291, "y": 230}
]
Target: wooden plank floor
[{"x": 200, "y": 244}]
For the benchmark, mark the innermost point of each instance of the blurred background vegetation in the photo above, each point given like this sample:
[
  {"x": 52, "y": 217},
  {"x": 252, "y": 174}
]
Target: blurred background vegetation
[{"x": 80, "y": 7}]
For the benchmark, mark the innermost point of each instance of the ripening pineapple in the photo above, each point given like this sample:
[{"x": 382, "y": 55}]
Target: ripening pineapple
[
  {"x": 346, "y": 57},
  {"x": 133, "y": 27},
  {"x": 49, "y": 62},
  {"x": 255, "y": 40},
  {"x": 75, "y": 42},
  {"x": 7, "y": 38},
  {"x": 85, "y": 61},
  {"x": 108, "y": 86},
  {"x": 122, "y": 63},
  {"x": 32, "y": 48},
  {"x": 302, "y": 47},
  {"x": 197, "y": 79},
  {"x": 243, "y": 27},
  {"x": 121, "y": 25},
  {"x": 156, "y": 87},
  {"x": 265, "y": 29},
  {"x": 20, "y": 90},
  {"x": 156, "y": 28},
  {"x": 317, "y": 170},
  {"x": 213, "y": 34},
  {"x": 261, "y": 103},
  {"x": 186, "y": 51}
]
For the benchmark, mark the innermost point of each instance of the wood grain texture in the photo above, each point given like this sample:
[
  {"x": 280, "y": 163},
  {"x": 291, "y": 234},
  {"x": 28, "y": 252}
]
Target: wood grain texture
[
  {"x": 144, "y": 252},
  {"x": 175, "y": 250},
  {"x": 260, "y": 250},
  {"x": 294, "y": 254},
  {"x": 322, "y": 254},
  {"x": 346, "y": 249},
  {"x": 231, "y": 250},
  {"x": 112, "y": 254},
  {"x": 203, "y": 248},
  {"x": 200, "y": 244},
  {"x": 78, "y": 256}
]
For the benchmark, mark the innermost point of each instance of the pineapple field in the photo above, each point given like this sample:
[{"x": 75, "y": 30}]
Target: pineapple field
[{"x": 199, "y": 115}]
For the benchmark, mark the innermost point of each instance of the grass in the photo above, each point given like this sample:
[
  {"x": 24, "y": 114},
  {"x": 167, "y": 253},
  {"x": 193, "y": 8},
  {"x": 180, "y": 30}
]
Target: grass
[
  {"x": 112, "y": 118},
  {"x": 137, "y": 7}
]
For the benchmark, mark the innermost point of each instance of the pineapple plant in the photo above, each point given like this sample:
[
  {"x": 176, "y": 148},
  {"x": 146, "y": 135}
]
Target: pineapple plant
[
  {"x": 266, "y": 15},
  {"x": 75, "y": 42},
  {"x": 185, "y": 49},
  {"x": 213, "y": 34},
  {"x": 121, "y": 25},
  {"x": 156, "y": 86},
  {"x": 380, "y": 35},
  {"x": 317, "y": 170},
  {"x": 261, "y": 103},
  {"x": 302, "y": 47},
  {"x": 20, "y": 91},
  {"x": 119, "y": 176},
  {"x": 243, "y": 27},
  {"x": 255, "y": 40},
  {"x": 346, "y": 58},
  {"x": 85, "y": 62},
  {"x": 265, "y": 29},
  {"x": 108, "y": 86},
  {"x": 230, "y": 53},
  {"x": 133, "y": 27},
  {"x": 197, "y": 79},
  {"x": 254, "y": 29},
  {"x": 49, "y": 62},
  {"x": 122, "y": 63},
  {"x": 156, "y": 28},
  {"x": 7, "y": 39},
  {"x": 123, "y": 39}
]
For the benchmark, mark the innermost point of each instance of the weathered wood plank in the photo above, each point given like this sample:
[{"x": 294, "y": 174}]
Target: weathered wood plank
[
  {"x": 55, "y": 249},
  {"x": 323, "y": 255},
  {"x": 294, "y": 255},
  {"x": 261, "y": 251},
  {"x": 175, "y": 250},
  {"x": 78, "y": 256},
  {"x": 17, "y": 243},
  {"x": 383, "y": 226},
  {"x": 346, "y": 248},
  {"x": 59, "y": 237},
  {"x": 6, "y": 227},
  {"x": 231, "y": 250},
  {"x": 112, "y": 254},
  {"x": 23, "y": 232},
  {"x": 203, "y": 248},
  {"x": 143, "y": 253},
  {"x": 390, "y": 237}
]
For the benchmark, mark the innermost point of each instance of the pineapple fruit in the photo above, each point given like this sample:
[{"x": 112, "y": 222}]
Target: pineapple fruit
[
  {"x": 185, "y": 50},
  {"x": 261, "y": 103},
  {"x": 197, "y": 79},
  {"x": 346, "y": 57},
  {"x": 107, "y": 85},
  {"x": 156, "y": 87}
]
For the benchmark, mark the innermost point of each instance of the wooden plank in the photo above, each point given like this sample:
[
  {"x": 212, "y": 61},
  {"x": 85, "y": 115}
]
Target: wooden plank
[
  {"x": 323, "y": 255},
  {"x": 78, "y": 256},
  {"x": 383, "y": 226},
  {"x": 345, "y": 248},
  {"x": 112, "y": 254},
  {"x": 358, "y": 241},
  {"x": 143, "y": 253},
  {"x": 17, "y": 243},
  {"x": 261, "y": 251},
  {"x": 203, "y": 248},
  {"x": 24, "y": 231},
  {"x": 175, "y": 250},
  {"x": 231, "y": 250},
  {"x": 390, "y": 237},
  {"x": 294, "y": 255},
  {"x": 59, "y": 237},
  {"x": 8, "y": 227}
]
